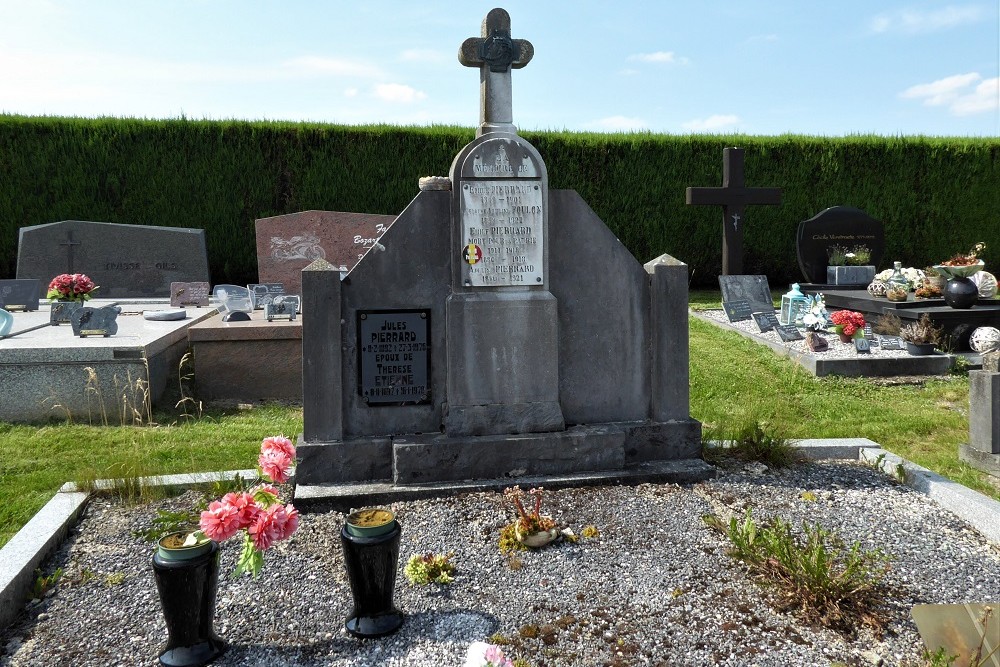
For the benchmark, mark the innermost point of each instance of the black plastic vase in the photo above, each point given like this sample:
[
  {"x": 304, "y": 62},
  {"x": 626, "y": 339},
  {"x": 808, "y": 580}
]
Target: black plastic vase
[
  {"x": 187, "y": 593},
  {"x": 371, "y": 569}
]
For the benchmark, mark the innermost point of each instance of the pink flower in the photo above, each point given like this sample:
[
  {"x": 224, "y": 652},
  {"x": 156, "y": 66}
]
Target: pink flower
[
  {"x": 244, "y": 506},
  {"x": 291, "y": 522},
  {"x": 220, "y": 521},
  {"x": 268, "y": 527},
  {"x": 495, "y": 658},
  {"x": 280, "y": 443},
  {"x": 276, "y": 464}
]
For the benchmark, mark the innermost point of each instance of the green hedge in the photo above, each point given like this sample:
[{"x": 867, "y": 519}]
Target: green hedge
[{"x": 935, "y": 196}]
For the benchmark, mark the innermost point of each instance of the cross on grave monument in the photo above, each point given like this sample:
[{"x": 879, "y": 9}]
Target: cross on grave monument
[
  {"x": 495, "y": 53},
  {"x": 733, "y": 197},
  {"x": 69, "y": 243}
]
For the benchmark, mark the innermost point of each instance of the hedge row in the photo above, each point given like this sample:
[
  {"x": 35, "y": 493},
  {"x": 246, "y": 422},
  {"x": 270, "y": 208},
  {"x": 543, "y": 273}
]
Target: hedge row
[{"x": 935, "y": 196}]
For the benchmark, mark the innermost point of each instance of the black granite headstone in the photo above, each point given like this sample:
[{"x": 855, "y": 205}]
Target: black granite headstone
[
  {"x": 837, "y": 225},
  {"x": 19, "y": 294},
  {"x": 750, "y": 288},
  {"x": 123, "y": 260}
]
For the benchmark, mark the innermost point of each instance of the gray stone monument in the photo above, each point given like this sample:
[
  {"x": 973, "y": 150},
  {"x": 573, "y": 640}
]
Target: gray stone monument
[
  {"x": 526, "y": 340},
  {"x": 983, "y": 449}
]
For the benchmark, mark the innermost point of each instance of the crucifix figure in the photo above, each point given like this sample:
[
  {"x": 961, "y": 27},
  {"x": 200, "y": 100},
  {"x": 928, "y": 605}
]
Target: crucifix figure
[
  {"x": 733, "y": 197},
  {"x": 495, "y": 53},
  {"x": 69, "y": 243}
]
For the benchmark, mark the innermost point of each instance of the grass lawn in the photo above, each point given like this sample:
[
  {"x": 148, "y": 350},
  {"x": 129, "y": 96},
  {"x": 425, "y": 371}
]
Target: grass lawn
[{"x": 732, "y": 379}]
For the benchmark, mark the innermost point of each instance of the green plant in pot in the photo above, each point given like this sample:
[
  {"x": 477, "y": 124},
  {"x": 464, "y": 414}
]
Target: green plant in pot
[
  {"x": 848, "y": 324},
  {"x": 531, "y": 528},
  {"x": 921, "y": 336}
]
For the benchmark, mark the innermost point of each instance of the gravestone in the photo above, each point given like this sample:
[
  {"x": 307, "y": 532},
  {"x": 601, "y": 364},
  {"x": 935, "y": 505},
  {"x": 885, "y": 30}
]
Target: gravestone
[
  {"x": 753, "y": 289},
  {"x": 286, "y": 244},
  {"x": 20, "y": 294},
  {"x": 189, "y": 294},
  {"x": 733, "y": 197},
  {"x": 123, "y": 260},
  {"x": 837, "y": 225},
  {"x": 983, "y": 449},
  {"x": 501, "y": 352}
]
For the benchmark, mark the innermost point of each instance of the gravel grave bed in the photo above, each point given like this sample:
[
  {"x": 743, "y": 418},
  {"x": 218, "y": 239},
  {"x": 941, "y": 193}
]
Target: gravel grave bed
[{"x": 654, "y": 588}]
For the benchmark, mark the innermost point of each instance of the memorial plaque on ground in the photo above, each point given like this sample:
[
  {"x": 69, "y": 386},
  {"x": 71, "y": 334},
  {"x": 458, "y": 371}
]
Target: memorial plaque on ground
[
  {"x": 752, "y": 288},
  {"x": 766, "y": 321},
  {"x": 841, "y": 226},
  {"x": 123, "y": 260},
  {"x": 890, "y": 342},
  {"x": 737, "y": 311},
  {"x": 264, "y": 293},
  {"x": 88, "y": 321},
  {"x": 20, "y": 294},
  {"x": 286, "y": 244},
  {"x": 862, "y": 345},
  {"x": 788, "y": 332},
  {"x": 189, "y": 294},
  {"x": 394, "y": 356}
]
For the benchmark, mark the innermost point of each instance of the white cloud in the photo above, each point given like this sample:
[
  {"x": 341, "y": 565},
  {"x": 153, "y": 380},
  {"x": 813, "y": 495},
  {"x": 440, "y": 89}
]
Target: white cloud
[
  {"x": 397, "y": 92},
  {"x": 617, "y": 124},
  {"x": 664, "y": 57},
  {"x": 956, "y": 92},
  {"x": 912, "y": 21},
  {"x": 713, "y": 123},
  {"x": 350, "y": 92},
  {"x": 424, "y": 56}
]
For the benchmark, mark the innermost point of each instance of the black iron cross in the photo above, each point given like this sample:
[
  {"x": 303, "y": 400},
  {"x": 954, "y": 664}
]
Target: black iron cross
[
  {"x": 733, "y": 197},
  {"x": 495, "y": 53},
  {"x": 69, "y": 243}
]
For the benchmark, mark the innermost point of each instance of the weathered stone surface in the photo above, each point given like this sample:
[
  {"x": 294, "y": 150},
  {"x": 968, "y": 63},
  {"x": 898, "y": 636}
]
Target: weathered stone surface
[
  {"x": 355, "y": 460},
  {"x": 123, "y": 260},
  {"x": 286, "y": 244},
  {"x": 984, "y": 411}
]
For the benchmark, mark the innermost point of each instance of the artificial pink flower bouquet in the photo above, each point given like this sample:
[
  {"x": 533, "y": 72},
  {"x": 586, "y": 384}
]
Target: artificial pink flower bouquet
[
  {"x": 258, "y": 511},
  {"x": 70, "y": 287}
]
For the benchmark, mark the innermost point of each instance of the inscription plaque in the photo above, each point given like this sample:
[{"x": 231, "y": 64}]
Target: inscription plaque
[
  {"x": 189, "y": 294},
  {"x": 19, "y": 294},
  {"x": 738, "y": 310},
  {"x": 394, "y": 356},
  {"x": 766, "y": 321},
  {"x": 502, "y": 226}
]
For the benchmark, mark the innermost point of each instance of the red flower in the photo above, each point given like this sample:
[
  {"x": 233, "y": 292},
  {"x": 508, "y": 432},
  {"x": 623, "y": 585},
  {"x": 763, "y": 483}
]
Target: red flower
[{"x": 848, "y": 321}]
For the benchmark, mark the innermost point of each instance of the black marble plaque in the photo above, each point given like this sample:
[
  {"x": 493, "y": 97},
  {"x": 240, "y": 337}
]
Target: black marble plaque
[
  {"x": 189, "y": 294},
  {"x": 263, "y": 293},
  {"x": 738, "y": 310},
  {"x": 284, "y": 305},
  {"x": 750, "y": 288},
  {"x": 862, "y": 345},
  {"x": 20, "y": 294},
  {"x": 868, "y": 330},
  {"x": 788, "y": 332},
  {"x": 837, "y": 225},
  {"x": 89, "y": 321},
  {"x": 890, "y": 342},
  {"x": 394, "y": 356},
  {"x": 766, "y": 321}
]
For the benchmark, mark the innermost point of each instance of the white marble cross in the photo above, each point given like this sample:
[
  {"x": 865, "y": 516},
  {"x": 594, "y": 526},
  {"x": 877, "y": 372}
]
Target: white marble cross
[{"x": 495, "y": 53}]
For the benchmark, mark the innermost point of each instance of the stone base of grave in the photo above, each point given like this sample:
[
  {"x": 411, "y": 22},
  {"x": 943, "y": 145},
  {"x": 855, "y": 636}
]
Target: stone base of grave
[
  {"x": 433, "y": 458},
  {"x": 248, "y": 362},
  {"x": 988, "y": 463},
  {"x": 48, "y": 373}
]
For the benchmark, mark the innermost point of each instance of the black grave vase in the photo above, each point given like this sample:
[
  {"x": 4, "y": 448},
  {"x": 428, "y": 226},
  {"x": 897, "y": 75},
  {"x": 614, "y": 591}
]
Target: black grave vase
[
  {"x": 961, "y": 292},
  {"x": 187, "y": 593},
  {"x": 371, "y": 568}
]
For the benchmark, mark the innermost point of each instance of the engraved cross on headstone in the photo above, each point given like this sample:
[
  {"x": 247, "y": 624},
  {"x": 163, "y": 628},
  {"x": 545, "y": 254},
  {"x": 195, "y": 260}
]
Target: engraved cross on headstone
[
  {"x": 495, "y": 53},
  {"x": 69, "y": 243},
  {"x": 733, "y": 197}
]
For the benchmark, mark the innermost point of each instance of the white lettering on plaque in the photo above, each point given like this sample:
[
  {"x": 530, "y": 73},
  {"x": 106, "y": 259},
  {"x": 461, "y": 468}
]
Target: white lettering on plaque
[{"x": 503, "y": 229}]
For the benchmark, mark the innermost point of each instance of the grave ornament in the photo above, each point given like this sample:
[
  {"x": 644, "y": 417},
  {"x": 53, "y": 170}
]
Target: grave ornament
[
  {"x": 236, "y": 304},
  {"x": 88, "y": 321}
]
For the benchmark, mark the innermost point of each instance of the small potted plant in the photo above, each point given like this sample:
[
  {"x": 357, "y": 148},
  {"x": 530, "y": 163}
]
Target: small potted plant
[
  {"x": 849, "y": 266},
  {"x": 920, "y": 336},
  {"x": 848, "y": 324},
  {"x": 531, "y": 528},
  {"x": 68, "y": 292}
]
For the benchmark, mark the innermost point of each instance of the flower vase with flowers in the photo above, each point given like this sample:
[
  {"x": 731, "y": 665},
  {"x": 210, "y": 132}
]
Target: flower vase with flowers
[
  {"x": 960, "y": 291},
  {"x": 68, "y": 292},
  {"x": 848, "y": 324}
]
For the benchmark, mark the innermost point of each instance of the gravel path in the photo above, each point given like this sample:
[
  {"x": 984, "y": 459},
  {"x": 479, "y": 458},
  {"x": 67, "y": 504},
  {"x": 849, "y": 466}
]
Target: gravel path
[{"x": 655, "y": 588}]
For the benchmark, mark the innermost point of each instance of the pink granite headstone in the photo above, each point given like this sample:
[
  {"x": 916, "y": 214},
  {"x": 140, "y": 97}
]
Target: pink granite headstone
[{"x": 286, "y": 244}]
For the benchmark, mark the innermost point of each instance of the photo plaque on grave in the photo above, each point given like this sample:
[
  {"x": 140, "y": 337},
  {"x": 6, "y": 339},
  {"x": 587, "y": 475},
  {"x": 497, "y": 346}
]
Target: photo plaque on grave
[
  {"x": 189, "y": 294},
  {"x": 262, "y": 294},
  {"x": 788, "y": 332},
  {"x": 394, "y": 356},
  {"x": 737, "y": 311},
  {"x": 766, "y": 321}
]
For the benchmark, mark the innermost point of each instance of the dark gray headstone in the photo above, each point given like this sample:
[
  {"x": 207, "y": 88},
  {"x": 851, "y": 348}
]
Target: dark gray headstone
[
  {"x": 123, "y": 260},
  {"x": 837, "y": 225},
  {"x": 750, "y": 288},
  {"x": 89, "y": 321},
  {"x": 20, "y": 294}
]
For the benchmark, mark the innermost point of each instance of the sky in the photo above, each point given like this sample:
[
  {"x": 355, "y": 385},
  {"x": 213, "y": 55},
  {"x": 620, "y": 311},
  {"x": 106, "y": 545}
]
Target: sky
[{"x": 758, "y": 67}]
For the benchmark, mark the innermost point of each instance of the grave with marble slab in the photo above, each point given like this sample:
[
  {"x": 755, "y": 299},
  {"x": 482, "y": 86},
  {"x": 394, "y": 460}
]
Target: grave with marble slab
[
  {"x": 286, "y": 244},
  {"x": 492, "y": 355},
  {"x": 125, "y": 261}
]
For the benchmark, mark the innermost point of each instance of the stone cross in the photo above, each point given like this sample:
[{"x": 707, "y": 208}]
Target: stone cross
[
  {"x": 495, "y": 53},
  {"x": 69, "y": 243},
  {"x": 733, "y": 197}
]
